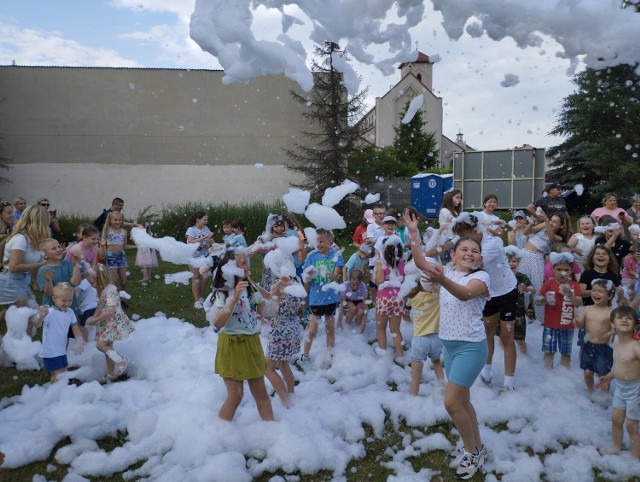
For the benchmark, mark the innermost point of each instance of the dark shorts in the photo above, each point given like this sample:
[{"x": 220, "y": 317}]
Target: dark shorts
[
  {"x": 372, "y": 276},
  {"x": 55, "y": 363},
  {"x": 505, "y": 305},
  {"x": 324, "y": 310},
  {"x": 519, "y": 328},
  {"x": 82, "y": 319},
  {"x": 355, "y": 302},
  {"x": 596, "y": 358}
]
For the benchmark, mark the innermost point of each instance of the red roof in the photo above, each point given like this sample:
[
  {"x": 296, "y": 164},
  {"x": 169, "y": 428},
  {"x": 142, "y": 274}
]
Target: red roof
[{"x": 422, "y": 59}]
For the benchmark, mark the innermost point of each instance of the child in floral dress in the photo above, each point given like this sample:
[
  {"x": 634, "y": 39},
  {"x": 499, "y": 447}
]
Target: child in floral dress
[
  {"x": 284, "y": 340},
  {"x": 111, "y": 322}
]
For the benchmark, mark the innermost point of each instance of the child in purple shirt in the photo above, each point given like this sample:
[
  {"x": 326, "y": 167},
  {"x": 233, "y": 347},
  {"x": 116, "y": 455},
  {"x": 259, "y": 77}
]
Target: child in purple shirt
[{"x": 353, "y": 300}]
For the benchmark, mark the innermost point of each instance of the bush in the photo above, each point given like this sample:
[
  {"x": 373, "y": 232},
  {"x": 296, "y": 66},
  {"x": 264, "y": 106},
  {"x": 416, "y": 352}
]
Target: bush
[
  {"x": 171, "y": 221},
  {"x": 173, "y": 218},
  {"x": 69, "y": 224}
]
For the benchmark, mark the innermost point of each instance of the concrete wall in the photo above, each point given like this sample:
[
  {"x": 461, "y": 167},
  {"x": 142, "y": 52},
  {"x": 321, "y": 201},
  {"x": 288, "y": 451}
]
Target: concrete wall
[{"x": 84, "y": 135}]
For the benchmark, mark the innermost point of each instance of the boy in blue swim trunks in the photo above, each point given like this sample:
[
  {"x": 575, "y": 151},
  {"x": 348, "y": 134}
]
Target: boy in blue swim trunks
[
  {"x": 596, "y": 356},
  {"x": 626, "y": 371}
]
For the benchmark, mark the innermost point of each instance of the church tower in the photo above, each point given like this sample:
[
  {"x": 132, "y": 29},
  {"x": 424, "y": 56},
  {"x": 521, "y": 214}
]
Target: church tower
[{"x": 422, "y": 68}]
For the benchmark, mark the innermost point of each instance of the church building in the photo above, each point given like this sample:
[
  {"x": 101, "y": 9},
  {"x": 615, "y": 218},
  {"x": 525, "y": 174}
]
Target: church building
[{"x": 416, "y": 78}]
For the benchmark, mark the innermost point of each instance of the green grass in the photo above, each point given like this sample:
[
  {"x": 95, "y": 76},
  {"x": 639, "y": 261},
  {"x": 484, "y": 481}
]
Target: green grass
[{"x": 176, "y": 300}]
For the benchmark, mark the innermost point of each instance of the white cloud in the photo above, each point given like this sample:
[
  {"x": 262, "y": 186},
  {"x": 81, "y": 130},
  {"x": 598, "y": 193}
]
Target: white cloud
[
  {"x": 175, "y": 47},
  {"x": 34, "y": 47},
  {"x": 183, "y": 8}
]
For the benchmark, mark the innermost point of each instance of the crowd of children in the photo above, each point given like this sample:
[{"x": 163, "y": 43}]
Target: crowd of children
[{"x": 466, "y": 289}]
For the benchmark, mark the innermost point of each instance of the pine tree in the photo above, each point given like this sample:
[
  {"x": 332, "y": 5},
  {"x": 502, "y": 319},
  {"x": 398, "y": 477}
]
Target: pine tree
[
  {"x": 323, "y": 161},
  {"x": 602, "y": 123},
  {"x": 414, "y": 149}
]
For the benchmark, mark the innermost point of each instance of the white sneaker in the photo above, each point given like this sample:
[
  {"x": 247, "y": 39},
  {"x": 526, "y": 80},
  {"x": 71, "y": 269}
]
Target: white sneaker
[
  {"x": 486, "y": 379},
  {"x": 198, "y": 305},
  {"x": 305, "y": 360},
  {"x": 380, "y": 351},
  {"x": 483, "y": 454},
  {"x": 119, "y": 368},
  {"x": 401, "y": 360},
  {"x": 469, "y": 465}
]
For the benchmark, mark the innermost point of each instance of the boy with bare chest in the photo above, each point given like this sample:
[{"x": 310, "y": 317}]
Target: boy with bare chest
[{"x": 626, "y": 371}]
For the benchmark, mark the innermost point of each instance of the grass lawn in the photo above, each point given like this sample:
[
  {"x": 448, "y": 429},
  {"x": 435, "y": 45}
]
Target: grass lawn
[{"x": 176, "y": 301}]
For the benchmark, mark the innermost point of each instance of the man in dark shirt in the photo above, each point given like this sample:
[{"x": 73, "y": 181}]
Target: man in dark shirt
[{"x": 553, "y": 203}]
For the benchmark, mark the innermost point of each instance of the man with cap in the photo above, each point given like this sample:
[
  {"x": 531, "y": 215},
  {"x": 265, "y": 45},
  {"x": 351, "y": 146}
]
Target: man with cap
[{"x": 553, "y": 203}]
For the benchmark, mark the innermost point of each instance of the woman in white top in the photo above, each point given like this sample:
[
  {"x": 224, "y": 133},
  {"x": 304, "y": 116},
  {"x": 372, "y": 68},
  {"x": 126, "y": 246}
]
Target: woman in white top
[
  {"x": 463, "y": 294},
  {"x": 22, "y": 256}
]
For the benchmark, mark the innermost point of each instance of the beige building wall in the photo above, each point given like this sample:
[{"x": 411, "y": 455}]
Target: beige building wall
[{"x": 152, "y": 136}]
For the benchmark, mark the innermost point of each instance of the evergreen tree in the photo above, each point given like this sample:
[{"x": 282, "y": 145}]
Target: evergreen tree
[
  {"x": 602, "y": 123},
  {"x": 415, "y": 150},
  {"x": 323, "y": 161},
  {"x": 370, "y": 164}
]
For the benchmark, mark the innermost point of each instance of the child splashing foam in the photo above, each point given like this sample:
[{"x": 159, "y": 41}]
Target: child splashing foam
[
  {"x": 560, "y": 296},
  {"x": 389, "y": 273},
  {"x": 239, "y": 356}
]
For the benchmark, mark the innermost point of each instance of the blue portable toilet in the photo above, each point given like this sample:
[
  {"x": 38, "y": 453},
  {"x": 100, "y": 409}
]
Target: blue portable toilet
[{"x": 427, "y": 190}]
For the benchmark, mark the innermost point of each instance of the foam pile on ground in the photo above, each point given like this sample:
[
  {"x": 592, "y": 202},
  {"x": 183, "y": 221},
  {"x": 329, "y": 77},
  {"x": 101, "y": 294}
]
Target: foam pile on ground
[{"x": 168, "y": 410}]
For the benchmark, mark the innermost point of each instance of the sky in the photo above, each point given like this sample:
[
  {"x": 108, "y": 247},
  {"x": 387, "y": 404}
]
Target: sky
[{"x": 496, "y": 93}]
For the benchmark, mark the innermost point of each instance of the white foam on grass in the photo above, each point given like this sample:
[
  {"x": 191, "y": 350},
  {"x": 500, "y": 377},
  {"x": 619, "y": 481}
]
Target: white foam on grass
[{"x": 168, "y": 410}]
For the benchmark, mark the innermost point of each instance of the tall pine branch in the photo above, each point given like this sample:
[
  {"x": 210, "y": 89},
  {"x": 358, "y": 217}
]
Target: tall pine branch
[{"x": 332, "y": 112}]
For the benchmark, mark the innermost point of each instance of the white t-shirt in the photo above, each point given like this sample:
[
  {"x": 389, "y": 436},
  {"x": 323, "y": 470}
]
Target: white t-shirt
[
  {"x": 21, "y": 243},
  {"x": 586, "y": 245},
  {"x": 55, "y": 328},
  {"x": 462, "y": 320},
  {"x": 374, "y": 231},
  {"x": 87, "y": 296},
  {"x": 444, "y": 220},
  {"x": 502, "y": 278}
]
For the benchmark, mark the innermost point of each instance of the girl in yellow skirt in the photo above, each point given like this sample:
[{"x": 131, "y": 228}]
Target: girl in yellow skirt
[{"x": 239, "y": 356}]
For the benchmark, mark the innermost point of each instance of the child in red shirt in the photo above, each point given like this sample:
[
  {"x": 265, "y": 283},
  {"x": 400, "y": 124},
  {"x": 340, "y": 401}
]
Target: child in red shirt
[{"x": 560, "y": 297}]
